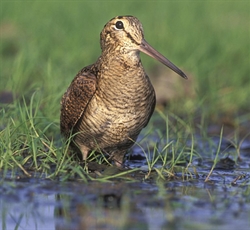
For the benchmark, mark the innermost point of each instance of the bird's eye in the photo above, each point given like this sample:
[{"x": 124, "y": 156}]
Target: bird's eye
[{"x": 119, "y": 25}]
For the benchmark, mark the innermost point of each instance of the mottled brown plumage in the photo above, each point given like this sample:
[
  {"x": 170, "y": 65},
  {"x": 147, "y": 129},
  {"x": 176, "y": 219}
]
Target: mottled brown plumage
[{"x": 109, "y": 102}]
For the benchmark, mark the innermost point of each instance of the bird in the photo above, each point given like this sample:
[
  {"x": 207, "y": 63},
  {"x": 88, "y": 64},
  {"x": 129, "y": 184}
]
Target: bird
[{"x": 109, "y": 102}]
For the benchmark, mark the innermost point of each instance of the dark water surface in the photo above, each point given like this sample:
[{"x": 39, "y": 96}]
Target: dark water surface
[{"x": 183, "y": 202}]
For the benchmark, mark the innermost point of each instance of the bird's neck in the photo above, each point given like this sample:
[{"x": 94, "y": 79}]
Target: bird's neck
[
  {"x": 120, "y": 68},
  {"x": 121, "y": 59}
]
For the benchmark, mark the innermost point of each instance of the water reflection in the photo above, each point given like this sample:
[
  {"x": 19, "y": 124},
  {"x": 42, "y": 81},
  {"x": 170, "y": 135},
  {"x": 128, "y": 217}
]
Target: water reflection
[
  {"x": 106, "y": 210},
  {"x": 171, "y": 205},
  {"x": 32, "y": 213}
]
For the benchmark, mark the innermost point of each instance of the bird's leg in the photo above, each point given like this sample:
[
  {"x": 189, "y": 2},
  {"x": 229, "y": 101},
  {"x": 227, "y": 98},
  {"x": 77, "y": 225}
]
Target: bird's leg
[
  {"x": 117, "y": 157},
  {"x": 84, "y": 150}
]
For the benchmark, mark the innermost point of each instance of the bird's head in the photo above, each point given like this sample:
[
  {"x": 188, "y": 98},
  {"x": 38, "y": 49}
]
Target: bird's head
[{"x": 125, "y": 33}]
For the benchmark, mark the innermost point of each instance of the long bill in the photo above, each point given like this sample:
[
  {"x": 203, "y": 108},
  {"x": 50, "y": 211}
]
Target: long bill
[{"x": 150, "y": 51}]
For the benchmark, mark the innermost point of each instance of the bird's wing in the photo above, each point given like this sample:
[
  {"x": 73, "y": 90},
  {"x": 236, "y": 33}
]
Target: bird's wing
[{"x": 76, "y": 99}]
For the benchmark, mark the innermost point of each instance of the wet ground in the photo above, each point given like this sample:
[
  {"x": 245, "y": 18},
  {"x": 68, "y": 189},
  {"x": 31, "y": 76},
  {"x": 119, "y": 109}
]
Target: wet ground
[{"x": 142, "y": 201}]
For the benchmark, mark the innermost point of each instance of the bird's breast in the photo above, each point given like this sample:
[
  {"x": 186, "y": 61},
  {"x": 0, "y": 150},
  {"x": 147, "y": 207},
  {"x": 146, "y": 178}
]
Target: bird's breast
[{"x": 120, "y": 107}]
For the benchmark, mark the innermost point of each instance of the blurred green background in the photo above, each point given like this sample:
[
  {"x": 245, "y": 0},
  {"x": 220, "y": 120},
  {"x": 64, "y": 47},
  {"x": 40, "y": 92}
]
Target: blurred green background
[{"x": 45, "y": 43}]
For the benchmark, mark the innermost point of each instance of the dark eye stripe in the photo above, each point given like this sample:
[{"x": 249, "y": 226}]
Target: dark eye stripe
[{"x": 131, "y": 38}]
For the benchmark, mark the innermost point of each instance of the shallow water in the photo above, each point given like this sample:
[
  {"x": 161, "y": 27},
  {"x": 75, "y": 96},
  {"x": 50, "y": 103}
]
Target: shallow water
[
  {"x": 172, "y": 205},
  {"x": 180, "y": 203}
]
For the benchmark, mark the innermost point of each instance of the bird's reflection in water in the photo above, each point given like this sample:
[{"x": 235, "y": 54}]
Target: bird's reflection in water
[{"x": 109, "y": 211}]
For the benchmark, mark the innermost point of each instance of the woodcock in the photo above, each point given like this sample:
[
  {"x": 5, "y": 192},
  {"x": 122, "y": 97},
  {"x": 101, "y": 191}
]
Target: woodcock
[{"x": 109, "y": 102}]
